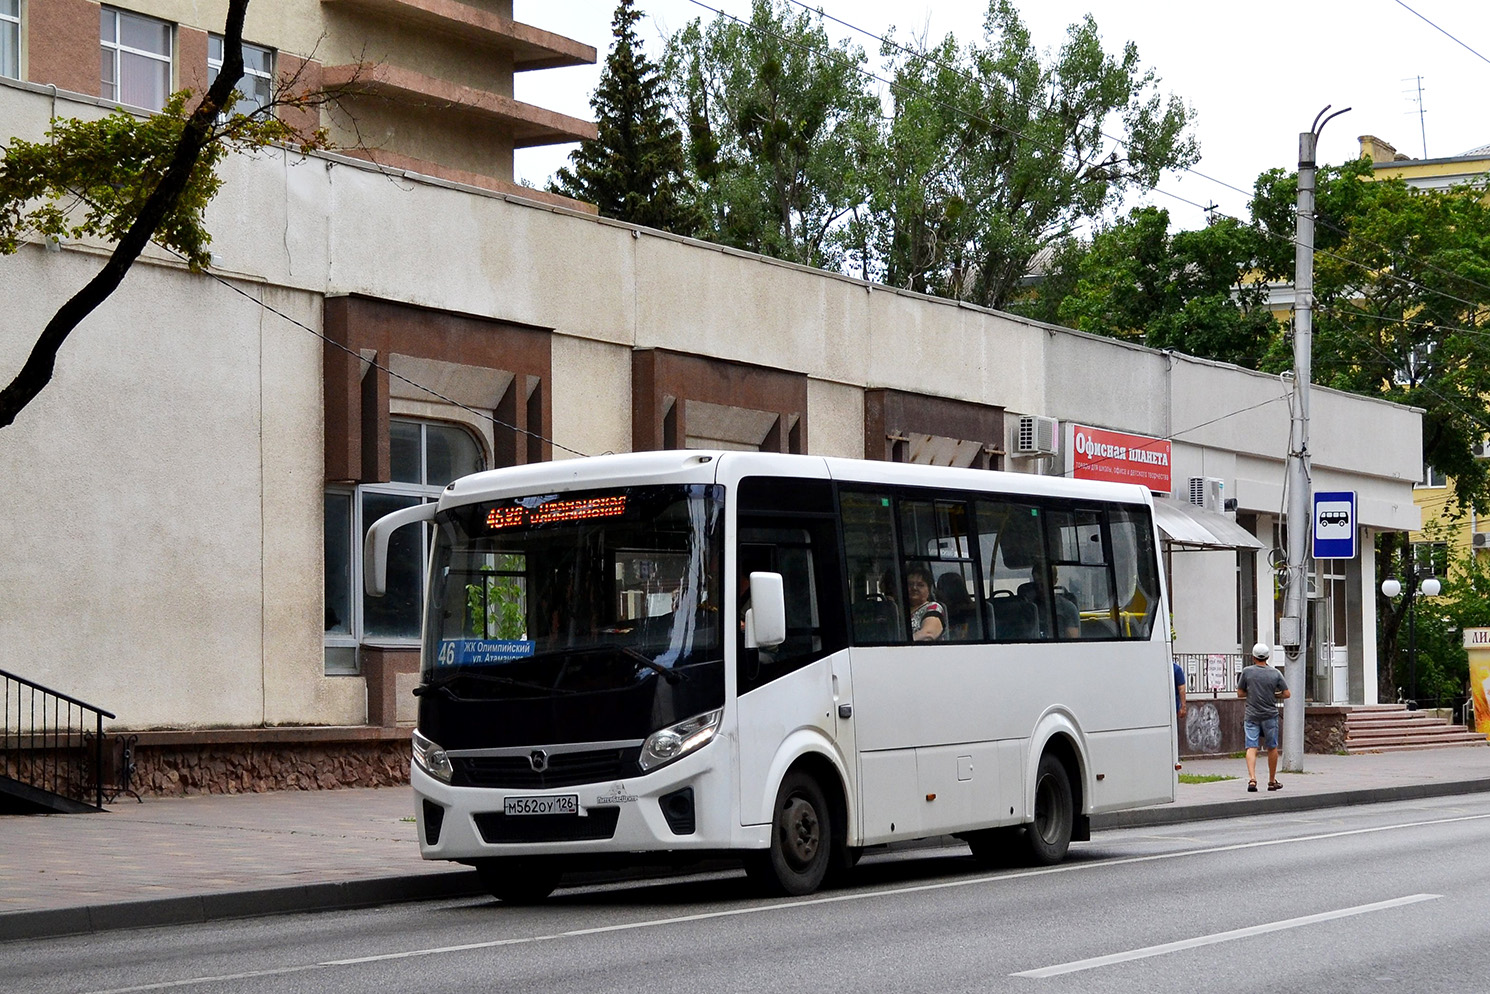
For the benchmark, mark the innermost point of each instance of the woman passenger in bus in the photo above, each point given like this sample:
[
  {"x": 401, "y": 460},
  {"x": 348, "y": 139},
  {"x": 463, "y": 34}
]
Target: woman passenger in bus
[
  {"x": 962, "y": 613},
  {"x": 928, "y": 619}
]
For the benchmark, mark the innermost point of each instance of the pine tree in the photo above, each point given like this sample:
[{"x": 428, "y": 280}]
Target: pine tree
[{"x": 633, "y": 171}]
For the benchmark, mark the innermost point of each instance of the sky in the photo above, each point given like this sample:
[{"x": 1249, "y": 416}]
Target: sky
[{"x": 1255, "y": 74}]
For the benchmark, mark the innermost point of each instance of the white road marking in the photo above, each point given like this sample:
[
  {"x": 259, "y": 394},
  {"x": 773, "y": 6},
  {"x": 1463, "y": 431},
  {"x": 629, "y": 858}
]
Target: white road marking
[
  {"x": 1210, "y": 940},
  {"x": 773, "y": 906}
]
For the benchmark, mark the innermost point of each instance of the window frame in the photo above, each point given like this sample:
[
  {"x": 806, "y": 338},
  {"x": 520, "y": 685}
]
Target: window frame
[
  {"x": 117, "y": 47},
  {"x": 357, "y": 637},
  {"x": 972, "y": 501},
  {"x": 214, "y": 66},
  {"x": 8, "y": 23}
]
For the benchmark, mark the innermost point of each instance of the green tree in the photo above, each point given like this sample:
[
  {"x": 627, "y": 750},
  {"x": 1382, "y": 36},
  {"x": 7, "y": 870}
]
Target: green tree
[
  {"x": 129, "y": 180},
  {"x": 780, "y": 124},
  {"x": 1192, "y": 291},
  {"x": 1402, "y": 288},
  {"x": 993, "y": 157},
  {"x": 634, "y": 169}
]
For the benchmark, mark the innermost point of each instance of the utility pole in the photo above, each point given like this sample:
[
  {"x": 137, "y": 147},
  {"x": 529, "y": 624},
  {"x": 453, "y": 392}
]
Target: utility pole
[{"x": 1293, "y": 627}]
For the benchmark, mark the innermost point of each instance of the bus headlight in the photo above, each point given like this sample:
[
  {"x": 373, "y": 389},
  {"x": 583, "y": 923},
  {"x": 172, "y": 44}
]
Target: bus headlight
[
  {"x": 667, "y": 744},
  {"x": 432, "y": 759}
]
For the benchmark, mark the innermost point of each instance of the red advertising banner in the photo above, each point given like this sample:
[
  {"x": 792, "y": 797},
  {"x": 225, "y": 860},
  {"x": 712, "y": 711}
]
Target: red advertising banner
[{"x": 1115, "y": 456}]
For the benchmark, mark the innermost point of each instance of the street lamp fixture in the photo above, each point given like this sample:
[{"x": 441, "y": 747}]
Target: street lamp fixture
[{"x": 1391, "y": 588}]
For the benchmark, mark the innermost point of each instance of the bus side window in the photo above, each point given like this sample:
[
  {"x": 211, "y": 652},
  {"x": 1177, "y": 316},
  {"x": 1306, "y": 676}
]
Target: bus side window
[
  {"x": 1082, "y": 572},
  {"x": 1133, "y": 563},
  {"x": 788, "y": 527},
  {"x": 875, "y": 602},
  {"x": 1010, "y": 540}
]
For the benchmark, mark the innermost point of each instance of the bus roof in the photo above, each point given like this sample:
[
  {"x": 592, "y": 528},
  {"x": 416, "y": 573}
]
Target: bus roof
[{"x": 705, "y": 466}]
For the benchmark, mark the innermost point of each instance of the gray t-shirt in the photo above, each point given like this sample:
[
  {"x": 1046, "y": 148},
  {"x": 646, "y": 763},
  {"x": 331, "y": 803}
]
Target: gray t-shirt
[{"x": 1261, "y": 683}]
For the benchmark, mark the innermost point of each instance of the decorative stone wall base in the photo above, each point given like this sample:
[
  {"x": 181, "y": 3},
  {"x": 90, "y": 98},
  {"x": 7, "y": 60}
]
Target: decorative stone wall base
[{"x": 183, "y": 764}]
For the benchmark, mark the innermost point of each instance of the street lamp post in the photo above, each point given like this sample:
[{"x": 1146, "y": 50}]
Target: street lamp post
[{"x": 1430, "y": 587}]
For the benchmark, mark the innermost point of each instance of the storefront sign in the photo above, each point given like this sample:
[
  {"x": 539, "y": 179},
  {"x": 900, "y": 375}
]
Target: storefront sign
[
  {"x": 1477, "y": 642},
  {"x": 1115, "y": 456}
]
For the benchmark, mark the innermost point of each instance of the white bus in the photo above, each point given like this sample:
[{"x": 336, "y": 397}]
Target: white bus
[{"x": 686, "y": 654}]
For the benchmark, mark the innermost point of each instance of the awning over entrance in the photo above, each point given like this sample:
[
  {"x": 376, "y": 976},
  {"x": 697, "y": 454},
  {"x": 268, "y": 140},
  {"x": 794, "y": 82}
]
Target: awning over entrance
[{"x": 1188, "y": 526}]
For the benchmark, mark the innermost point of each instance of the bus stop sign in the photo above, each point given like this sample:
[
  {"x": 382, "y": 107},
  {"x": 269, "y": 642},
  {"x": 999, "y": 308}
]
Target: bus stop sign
[{"x": 1334, "y": 525}]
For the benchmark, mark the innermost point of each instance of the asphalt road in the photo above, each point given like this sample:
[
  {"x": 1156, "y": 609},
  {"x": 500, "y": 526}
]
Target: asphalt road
[{"x": 1389, "y": 897}]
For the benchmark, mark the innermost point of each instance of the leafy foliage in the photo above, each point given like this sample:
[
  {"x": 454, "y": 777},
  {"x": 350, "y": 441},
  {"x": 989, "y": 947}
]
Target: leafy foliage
[
  {"x": 1439, "y": 622},
  {"x": 1402, "y": 284},
  {"x": 634, "y": 169},
  {"x": 992, "y": 156},
  {"x": 1192, "y": 291},
  {"x": 92, "y": 178},
  {"x": 780, "y": 124}
]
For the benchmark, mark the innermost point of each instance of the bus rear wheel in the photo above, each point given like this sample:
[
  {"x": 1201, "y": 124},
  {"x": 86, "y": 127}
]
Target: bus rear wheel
[
  {"x": 801, "y": 840},
  {"x": 515, "y": 880},
  {"x": 1049, "y": 836}
]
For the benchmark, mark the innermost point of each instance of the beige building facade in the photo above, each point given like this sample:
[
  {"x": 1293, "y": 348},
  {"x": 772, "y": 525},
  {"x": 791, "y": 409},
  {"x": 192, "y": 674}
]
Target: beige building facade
[{"x": 183, "y": 504}]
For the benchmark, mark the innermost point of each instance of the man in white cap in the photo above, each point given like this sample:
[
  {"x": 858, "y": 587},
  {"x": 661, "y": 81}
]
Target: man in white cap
[{"x": 1262, "y": 686}]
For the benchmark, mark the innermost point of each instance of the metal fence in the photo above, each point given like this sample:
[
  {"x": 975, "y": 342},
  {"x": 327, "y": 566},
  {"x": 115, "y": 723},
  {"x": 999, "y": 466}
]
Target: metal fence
[
  {"x": 1207, "y": 671},
  {"x": 51, "y": 742}
]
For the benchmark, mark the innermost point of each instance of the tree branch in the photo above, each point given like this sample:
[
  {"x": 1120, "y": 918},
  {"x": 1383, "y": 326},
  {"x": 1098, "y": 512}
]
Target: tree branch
[{"x": 195, "y": 135}]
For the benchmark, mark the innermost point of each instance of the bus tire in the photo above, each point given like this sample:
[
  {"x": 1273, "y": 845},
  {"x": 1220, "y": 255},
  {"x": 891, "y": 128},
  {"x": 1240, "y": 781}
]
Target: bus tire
[
  {"x": 1048, "y": 836},
  {"x": 801, "y": 846},
  {"x": 515, "y": 880}
]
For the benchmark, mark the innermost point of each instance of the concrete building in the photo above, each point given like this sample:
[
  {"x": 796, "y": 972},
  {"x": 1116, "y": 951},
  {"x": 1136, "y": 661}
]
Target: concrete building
[{"x": 183, "y": 504}]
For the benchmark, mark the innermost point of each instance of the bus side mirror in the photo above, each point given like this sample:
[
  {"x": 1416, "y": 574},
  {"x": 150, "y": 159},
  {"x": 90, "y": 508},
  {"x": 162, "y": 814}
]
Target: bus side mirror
[
  {"x": 375, "y": 546},
  {"x": 765, "y": 621}
]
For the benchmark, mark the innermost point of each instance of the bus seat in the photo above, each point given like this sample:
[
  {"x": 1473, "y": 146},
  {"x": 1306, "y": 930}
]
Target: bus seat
[
  {"x": 1011, "y": 618},
  {"x": 877, "y": 620}
]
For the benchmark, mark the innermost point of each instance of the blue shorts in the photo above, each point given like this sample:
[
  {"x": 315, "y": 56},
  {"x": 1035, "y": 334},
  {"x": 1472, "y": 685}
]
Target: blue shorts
[{"x": 1264, "y": 728}]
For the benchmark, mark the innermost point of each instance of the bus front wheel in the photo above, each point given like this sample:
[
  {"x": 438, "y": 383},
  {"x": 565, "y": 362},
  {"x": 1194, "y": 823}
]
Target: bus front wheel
[
  {"x": 1049, "y": 835},
  {"x": 801, "y": 840},
  {"x": 514, "y": 880}
]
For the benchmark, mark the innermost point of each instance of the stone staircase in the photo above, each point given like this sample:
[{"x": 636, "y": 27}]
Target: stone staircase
[{"x": 1393, "y": 728}]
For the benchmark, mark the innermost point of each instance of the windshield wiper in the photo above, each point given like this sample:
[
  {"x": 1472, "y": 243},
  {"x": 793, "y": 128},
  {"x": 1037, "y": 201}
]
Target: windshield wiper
[
  {"x": 444, "y": 682},
  {"x": 670, "y": 675}
]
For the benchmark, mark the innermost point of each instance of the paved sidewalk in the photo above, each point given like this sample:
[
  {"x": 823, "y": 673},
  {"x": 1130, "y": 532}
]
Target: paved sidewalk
[{"x": 170, "y": 861}]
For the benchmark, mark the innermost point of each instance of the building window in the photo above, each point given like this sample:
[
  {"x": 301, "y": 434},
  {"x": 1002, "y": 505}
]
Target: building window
[
  {"x": 1433, "y": 477},
  {"x": 258, "y": 74},
  {"x": 426, "y": 455},
  {"x": 1430, "y": 558},
  {"x": 10, "y": 38},
  {"x": 135, "y": 59}
]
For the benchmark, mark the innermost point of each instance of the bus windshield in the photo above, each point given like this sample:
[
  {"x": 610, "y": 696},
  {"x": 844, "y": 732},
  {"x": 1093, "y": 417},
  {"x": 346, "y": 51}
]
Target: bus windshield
[{"x": 554, "y": 595}]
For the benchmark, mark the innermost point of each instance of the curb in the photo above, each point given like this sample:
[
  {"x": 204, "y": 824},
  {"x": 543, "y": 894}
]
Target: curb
[
  {"x": 432, "y": 886},
  {"x": 196, "y": 909},
  {"x": 1282, "y": 803}
]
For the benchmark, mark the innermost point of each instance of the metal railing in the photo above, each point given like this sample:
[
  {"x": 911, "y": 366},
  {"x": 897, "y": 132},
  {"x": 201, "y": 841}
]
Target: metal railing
[
  {"x": 1202, "y": 667},
  {"x": 52, "y": 742}
]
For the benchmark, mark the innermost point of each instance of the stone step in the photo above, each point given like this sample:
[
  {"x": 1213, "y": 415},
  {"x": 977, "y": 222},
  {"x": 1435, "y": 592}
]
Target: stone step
[
  {"x": 1382, "y": 727},
  {"x": 1433, "y": 735},
  {"x": 1415, "y": 746}
]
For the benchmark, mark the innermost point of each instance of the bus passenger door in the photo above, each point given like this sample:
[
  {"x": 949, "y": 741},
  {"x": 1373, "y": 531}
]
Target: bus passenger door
[
  {"x": 843, "y": 714},
  {"x": 790, "y": 695}
]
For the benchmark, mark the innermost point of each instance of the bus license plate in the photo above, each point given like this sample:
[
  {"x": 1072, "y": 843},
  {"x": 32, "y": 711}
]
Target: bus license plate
[{"x": 553, "y": 804}]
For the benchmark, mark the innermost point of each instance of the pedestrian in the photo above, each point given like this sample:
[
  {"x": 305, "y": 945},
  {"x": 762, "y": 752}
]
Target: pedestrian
[
  {"x": 1179, "y": 689},
  {"x": 1179, "y": 706},
  {"x": 1263, "y": 687}
]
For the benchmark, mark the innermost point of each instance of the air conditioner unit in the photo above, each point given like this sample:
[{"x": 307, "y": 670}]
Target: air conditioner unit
[
  {"x": 1205, "y": 491},
  {"x": 1481, "y": 450},
  {"x": 1480, "y": 540},
  {"x": 1036, "y": 436}
]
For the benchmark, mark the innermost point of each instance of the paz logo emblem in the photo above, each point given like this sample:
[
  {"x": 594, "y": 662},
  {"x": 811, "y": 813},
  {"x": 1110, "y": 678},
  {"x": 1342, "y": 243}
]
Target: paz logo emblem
[{"x": 538, "y": 759}]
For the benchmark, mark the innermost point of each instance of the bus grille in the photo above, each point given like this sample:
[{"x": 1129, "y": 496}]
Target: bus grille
[
  {"x": 565, "y": 769},
  {"x": 600, "y": 823}
]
